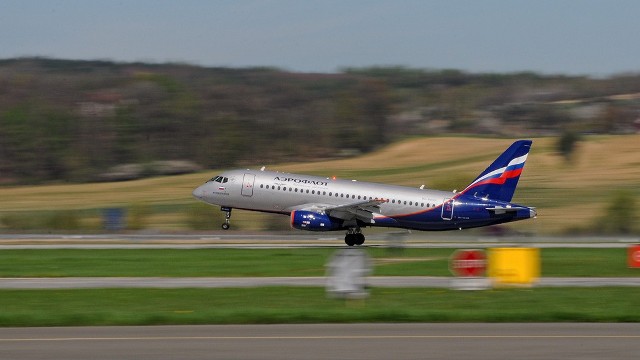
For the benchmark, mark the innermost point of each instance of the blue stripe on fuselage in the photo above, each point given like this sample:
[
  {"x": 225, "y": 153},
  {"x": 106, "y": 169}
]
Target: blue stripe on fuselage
[{"x": 468, "y": 212}]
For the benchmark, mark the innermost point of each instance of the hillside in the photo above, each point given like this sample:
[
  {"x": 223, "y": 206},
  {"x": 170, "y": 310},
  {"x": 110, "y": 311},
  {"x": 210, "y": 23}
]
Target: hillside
[
  {"x": 81, "y": 121},
  {"x": 567, "y": 195}
]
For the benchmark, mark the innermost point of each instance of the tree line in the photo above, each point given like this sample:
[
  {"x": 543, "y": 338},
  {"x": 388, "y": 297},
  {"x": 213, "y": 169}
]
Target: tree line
[{"x": 65, "y": 120}]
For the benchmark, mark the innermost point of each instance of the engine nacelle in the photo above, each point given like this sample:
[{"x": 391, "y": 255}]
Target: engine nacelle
[{"x": 313, "y": 221}]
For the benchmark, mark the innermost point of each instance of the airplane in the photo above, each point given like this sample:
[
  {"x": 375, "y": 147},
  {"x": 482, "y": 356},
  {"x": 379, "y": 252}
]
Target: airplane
[{"x": 317, "y": 203}]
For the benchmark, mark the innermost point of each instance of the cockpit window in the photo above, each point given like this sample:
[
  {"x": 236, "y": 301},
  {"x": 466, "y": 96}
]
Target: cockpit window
[{"x": 219, "y": 179}]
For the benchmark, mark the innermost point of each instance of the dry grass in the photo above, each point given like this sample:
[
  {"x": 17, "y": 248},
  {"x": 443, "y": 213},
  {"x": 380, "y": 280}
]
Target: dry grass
[
  {"x": 164, "y": 190},
  {"x": 567, "y": 194},
  {"x": 409, "y": 153}
]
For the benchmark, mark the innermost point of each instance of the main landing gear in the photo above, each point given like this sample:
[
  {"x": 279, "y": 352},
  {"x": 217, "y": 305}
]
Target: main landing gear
[
  {"x": 354, "y": 237},
  {"x": 227, "y": 218}
]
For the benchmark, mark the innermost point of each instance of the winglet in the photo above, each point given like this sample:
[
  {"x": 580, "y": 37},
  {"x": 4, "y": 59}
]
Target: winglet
[{"x": 499, "y": 180}]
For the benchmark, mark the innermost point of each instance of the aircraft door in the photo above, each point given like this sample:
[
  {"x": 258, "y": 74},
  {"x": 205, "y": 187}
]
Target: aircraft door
[
  {"x": 247, "y": 184},
  {"x": 447, "y": 209}
]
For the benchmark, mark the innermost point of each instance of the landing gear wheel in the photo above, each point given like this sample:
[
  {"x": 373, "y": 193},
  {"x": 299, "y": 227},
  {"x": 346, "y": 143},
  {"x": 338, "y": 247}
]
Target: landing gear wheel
[
  {"x": 350, "y": 239},
  {"x": 227, "y": 216},
  {"x": 354, "y": 238}
]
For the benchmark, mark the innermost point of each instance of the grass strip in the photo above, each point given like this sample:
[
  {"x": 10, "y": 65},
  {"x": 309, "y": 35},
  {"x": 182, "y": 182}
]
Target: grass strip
[
  {"x": 279, "y": 262},
  {"x": 310, "y": 305}
]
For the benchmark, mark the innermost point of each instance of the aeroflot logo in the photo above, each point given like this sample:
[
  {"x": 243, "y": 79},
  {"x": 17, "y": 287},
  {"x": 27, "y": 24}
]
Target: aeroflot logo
[{"x": 301, "y": 181}]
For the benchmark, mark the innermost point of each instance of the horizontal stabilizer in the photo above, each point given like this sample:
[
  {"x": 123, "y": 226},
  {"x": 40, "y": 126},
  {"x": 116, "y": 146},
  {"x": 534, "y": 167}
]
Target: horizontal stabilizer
[{"x": 503, "y": 210}]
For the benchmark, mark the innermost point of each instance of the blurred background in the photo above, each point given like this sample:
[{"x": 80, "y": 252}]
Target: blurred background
[{"x": 111, "y": 113}]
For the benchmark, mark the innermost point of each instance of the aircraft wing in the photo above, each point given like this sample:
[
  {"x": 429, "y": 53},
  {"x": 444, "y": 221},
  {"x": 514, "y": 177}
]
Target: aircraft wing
[{"x": 362, "y": 210}]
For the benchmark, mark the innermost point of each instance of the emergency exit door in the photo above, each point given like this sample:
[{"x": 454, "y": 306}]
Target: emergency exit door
[
  {"x": 447, "y": 209},
  {"x": 247, "y": 184}
]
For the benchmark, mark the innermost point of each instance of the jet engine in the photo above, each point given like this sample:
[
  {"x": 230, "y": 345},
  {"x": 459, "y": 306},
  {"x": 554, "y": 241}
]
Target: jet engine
[{"x": 313, "y": 221}]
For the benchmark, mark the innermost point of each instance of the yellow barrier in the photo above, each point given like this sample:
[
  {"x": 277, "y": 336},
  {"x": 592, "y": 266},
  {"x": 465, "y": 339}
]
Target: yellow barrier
[{"x": 513, "y": 266}]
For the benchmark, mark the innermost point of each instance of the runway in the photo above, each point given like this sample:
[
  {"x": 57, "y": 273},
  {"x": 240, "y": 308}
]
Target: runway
[
  {"x": 295, "y": 240},
  {"x": 242, "y": 282},
  {"x": 327, "y": 341}
]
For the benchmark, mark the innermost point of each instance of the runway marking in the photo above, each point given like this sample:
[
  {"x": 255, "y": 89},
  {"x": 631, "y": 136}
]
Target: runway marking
[{"x": 332, "y": 337}]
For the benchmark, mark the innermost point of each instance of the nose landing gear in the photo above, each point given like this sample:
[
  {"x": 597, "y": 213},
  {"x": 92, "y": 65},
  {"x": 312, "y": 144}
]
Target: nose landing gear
[
  {"x": 226, "y": 225},
  {"x": 354, "y": 237}
]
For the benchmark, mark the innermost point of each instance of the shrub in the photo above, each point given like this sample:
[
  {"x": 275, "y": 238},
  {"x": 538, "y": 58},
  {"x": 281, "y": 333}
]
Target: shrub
[
  {"x": 620, "y": 215},
  {"x": 566, "y": 145},
  {"x": 200, "y": 216},
  {"x": 63, "y": 220},
  {"x": 137, "y": 216}
]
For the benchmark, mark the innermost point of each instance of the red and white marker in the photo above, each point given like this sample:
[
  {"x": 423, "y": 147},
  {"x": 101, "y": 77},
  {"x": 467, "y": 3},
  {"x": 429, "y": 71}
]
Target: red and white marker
[{"x": 468, "y": 263}]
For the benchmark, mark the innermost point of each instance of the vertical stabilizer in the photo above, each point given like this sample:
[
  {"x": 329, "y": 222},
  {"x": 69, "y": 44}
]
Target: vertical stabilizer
[{"x": 499, "y": 180}]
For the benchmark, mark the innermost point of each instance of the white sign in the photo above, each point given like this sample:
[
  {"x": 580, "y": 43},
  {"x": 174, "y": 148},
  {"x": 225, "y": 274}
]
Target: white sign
[{"x": 346, "y": 274}]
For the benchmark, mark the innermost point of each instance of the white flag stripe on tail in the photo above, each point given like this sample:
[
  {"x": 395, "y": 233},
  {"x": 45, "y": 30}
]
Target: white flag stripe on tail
[{"x": 516, "y": 161}]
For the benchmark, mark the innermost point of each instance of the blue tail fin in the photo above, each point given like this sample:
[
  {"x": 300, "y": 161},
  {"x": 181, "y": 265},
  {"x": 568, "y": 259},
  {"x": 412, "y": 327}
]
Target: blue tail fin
[{"x": 499, "y": 180}]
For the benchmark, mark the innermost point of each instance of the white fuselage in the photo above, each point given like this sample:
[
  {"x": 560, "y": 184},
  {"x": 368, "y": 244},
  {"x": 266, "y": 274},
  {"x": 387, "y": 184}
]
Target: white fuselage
[{"x": 278, "y": 192}]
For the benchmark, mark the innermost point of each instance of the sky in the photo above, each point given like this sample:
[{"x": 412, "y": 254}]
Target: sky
[{"x": 579, "y": 37}]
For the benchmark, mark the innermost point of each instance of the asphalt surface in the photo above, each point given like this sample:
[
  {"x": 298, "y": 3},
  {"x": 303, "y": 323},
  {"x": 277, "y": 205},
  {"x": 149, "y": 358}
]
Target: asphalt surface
[
  {"x": 326, "y": 341},
  {"x": 300, "y": 239},
  {"x": 294, "y": 240},
  {"x": 240, "y": 282}
]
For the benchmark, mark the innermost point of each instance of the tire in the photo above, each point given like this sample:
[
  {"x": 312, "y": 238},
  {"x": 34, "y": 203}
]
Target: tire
[{"x": 349, "y": 239}]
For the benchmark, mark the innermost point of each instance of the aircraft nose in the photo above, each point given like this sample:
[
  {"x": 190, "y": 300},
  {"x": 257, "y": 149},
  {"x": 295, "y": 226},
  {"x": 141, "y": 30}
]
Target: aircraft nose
[{"x": 198, "y": 193}]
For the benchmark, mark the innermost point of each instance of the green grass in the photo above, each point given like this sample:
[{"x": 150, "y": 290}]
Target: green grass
[
  {"x": 277, "y": 262},
  {"x": 310, "y": 305},
  {"x": 299, "y": 304}
]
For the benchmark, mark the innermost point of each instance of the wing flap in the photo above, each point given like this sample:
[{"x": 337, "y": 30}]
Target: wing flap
[{"x": 363, "y": 211}]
